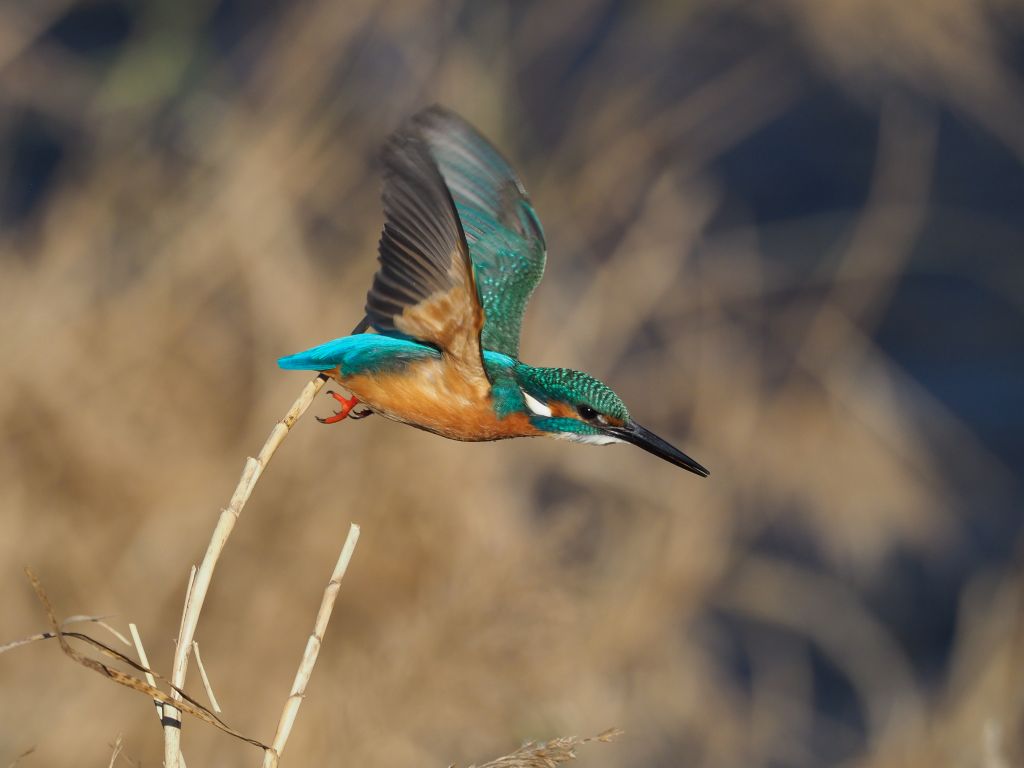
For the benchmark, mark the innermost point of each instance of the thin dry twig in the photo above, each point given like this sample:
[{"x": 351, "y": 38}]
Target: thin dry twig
[
  {"x": 188, "y": 598},
  {"x": 184, "y": 702},
  {"x": 206, "y": 680},
  {"x": 118, "y": 746},
  {"x": 50, "y": 635},
  {"x": 323, "y": 616},
  {"x": 225, "y": 524},
  {"x": 97, "y": 620},
  {"x": 20, "y": 757},
  {"x": 548, "y": 754},
  {"x": 144, "y": 659},
  {"x": 120, "y": 752}
]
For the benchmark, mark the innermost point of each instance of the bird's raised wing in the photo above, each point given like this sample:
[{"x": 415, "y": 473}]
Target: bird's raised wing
[
  {"x": 424, "y": 287},
  {"x": 506, "y": 242}
]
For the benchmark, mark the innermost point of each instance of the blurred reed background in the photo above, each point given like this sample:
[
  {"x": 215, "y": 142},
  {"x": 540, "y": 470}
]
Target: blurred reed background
[{"x": 789, "y": 232}]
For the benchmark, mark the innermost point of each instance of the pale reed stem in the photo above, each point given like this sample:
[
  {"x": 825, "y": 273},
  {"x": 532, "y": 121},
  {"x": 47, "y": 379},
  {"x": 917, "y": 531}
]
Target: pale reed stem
[
  {"x": 225, "y": 524},
  {"x": 323, "y": 616},
  {"x": 144, "y": 659}
]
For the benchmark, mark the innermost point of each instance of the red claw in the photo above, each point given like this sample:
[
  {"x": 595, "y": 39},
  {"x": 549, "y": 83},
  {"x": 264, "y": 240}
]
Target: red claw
[{"x": 347, "y": 404}]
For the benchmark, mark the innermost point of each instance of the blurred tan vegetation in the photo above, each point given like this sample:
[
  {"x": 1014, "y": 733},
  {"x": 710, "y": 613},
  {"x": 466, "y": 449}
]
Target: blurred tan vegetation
[{"x": 223, "y": 210}]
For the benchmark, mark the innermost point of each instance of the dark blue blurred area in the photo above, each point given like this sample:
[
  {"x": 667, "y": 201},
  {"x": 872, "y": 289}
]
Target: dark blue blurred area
[
  {"x": 792, "y": 167},
  {"x": 955, "y": 323},
  {"x": 36, "y": 150},
  {"x": 93, "y": 29}
]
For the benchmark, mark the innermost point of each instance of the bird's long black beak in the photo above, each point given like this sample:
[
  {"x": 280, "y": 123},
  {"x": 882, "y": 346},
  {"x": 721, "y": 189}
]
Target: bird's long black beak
[{"x": 633, "y": 433}]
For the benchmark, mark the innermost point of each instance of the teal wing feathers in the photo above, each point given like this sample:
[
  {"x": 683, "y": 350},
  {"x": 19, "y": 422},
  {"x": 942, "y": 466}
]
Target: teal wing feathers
[{"x": 504, "y": 236}]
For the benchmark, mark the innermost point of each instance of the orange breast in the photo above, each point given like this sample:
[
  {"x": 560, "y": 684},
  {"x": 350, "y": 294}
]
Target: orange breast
[{"x": 433, "y": 396}]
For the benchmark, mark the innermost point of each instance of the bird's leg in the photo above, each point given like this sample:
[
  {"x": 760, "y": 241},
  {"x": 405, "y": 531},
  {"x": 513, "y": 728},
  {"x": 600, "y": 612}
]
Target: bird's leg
[
  {"x": 347, "y": 404},
  {"x": 361, "y": 414}
]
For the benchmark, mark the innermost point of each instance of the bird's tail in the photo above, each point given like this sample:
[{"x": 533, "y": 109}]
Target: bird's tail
[
  {"x": 319, "y": 358},
  {"x": 322, "y": 357}
]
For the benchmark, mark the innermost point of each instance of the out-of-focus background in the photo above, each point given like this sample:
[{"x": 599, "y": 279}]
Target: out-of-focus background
[{"x": 788, "y": 232}]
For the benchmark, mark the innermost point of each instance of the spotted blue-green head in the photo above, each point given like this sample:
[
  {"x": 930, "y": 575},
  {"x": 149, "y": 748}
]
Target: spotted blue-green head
[{"x": 573, "y": 405}]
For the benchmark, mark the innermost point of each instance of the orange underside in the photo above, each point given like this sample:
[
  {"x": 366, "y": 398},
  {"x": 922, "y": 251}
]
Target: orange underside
[{"x": 432, "y": 396}]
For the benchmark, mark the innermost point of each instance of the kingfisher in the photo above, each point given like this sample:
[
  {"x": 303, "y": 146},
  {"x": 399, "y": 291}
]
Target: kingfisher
[{"x": 461, "y": 253}]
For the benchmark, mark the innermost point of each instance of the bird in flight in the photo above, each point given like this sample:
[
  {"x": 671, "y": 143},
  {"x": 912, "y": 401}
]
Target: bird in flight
[{"x": 461, "y": 253}]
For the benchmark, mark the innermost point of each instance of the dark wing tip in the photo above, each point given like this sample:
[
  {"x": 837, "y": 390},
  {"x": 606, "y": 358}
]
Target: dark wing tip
[
  {"x": 435, "y": 115},
  {"x": 422, "y": 231}
]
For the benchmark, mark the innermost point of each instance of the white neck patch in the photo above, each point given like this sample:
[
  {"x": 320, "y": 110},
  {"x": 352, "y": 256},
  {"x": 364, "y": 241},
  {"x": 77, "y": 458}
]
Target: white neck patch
[{"x": 535, "y": 405}]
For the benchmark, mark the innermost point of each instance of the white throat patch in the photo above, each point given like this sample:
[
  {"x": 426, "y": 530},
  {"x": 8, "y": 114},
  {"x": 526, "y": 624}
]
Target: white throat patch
[
  {"x": 535, "y": 405},
  {"x": 589, "y": 439}
]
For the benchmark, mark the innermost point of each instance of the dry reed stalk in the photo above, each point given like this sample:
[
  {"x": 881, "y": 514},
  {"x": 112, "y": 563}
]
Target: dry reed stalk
[
  {"x": 323, "y": 616},
  {"x": 144, "y": 660},
  {"x": 50, "y": 635},
  {"x": 199, "y": 587},
  {"x": 183, "y": 700},
  {"x": 531, "y": 755},
  {"x": 20, "y": 757},
  {"x": 214, "y": 705},
  {"x": 118, "y": 748},
  {"x": 548, "y": 754}
]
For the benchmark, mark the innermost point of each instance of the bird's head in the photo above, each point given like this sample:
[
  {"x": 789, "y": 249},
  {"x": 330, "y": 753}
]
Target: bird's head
[{"x": 573, "y": 405}]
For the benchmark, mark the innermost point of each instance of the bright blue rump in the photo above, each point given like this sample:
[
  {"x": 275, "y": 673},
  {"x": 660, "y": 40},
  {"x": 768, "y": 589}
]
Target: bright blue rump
[{"x": 361, "y": 353}]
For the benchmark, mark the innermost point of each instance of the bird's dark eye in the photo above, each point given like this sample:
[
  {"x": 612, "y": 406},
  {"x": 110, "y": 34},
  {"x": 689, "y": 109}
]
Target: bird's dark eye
[{"x": 586, "y": 412}]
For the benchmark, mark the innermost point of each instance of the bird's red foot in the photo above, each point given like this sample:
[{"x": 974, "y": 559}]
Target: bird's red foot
[{"x": 347, "y": 404}]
